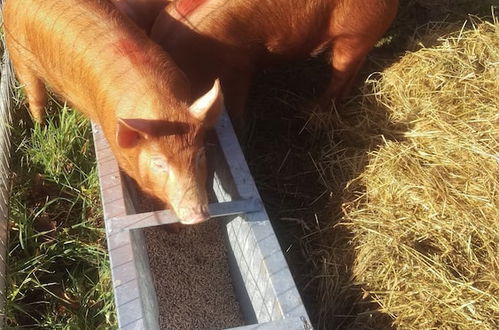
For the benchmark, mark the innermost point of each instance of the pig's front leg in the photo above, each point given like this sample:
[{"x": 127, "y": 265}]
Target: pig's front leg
[
  {"x": 348, "y": 56},
  {"x": 353, "y": 32}
]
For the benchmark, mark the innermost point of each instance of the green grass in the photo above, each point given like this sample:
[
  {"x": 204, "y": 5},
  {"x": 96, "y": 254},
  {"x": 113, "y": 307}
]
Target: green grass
[{"x": 58, "y": 273}]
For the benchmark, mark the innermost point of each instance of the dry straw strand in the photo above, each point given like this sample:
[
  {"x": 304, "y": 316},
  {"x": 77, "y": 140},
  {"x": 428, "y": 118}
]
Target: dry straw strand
[{"x": 424, "y": 212}]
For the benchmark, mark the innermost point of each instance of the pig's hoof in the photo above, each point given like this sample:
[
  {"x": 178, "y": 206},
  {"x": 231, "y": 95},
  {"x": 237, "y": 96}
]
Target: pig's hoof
[{"x": 40, "y": 120}]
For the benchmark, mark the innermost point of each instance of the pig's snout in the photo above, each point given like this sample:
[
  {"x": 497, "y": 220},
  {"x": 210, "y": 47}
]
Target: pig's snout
[{"x": 193, "y": 215}]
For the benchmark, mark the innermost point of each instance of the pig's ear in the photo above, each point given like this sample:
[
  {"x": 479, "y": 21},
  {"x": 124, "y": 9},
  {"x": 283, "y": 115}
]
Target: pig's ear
[
  {"x": 208, "y": 107},
  {"x": 127, "y": 136}
]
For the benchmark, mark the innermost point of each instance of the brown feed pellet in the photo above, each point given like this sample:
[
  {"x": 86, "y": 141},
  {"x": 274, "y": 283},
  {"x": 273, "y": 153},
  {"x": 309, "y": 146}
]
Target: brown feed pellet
[{"x": 191, "y": 274}]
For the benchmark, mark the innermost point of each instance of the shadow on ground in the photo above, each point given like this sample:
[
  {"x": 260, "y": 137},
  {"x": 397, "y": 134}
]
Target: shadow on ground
[{"x": 286, "y": 149}]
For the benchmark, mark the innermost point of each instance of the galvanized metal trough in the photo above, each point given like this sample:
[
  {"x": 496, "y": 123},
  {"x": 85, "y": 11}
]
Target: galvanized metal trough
[{"x": 262, "y": 282}]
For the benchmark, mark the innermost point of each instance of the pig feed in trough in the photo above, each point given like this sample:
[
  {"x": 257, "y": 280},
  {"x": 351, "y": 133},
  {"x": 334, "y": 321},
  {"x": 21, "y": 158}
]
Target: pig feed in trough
[
  {"x": 190, "y": 271},
  {"x": 229, "y": 272}
]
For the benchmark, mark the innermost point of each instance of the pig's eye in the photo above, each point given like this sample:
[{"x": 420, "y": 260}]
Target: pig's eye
[
  {"x": 159, "y": 163},
  {"x": 200, "y": 157}
]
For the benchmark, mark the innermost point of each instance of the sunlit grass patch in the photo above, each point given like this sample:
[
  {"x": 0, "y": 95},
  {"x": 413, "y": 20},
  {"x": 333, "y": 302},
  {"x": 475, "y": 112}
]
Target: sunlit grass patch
[{"x": 58, "y": 273}]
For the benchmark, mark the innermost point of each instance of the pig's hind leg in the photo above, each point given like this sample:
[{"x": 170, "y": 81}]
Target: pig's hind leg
[{"x": 35, "y": 92}]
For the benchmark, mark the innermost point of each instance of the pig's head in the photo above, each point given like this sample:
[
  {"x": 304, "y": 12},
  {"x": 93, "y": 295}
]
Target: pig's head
[{"x": 167, "y": 157}]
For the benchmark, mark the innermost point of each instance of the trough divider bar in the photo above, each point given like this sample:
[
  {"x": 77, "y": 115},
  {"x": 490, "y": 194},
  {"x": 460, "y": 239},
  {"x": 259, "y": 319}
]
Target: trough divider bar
[{"x": 164, "y": 217}]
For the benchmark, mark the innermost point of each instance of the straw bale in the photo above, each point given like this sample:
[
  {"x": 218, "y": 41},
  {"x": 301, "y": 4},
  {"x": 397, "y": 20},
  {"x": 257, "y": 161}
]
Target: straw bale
[{"x": 424, "y": 210}]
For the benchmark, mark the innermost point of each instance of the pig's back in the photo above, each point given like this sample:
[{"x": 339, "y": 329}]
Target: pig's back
[
  {"x": 284, "y": 28},
  {"x": 66, "y": 43},
  {"x": 288, "y": 28}
]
